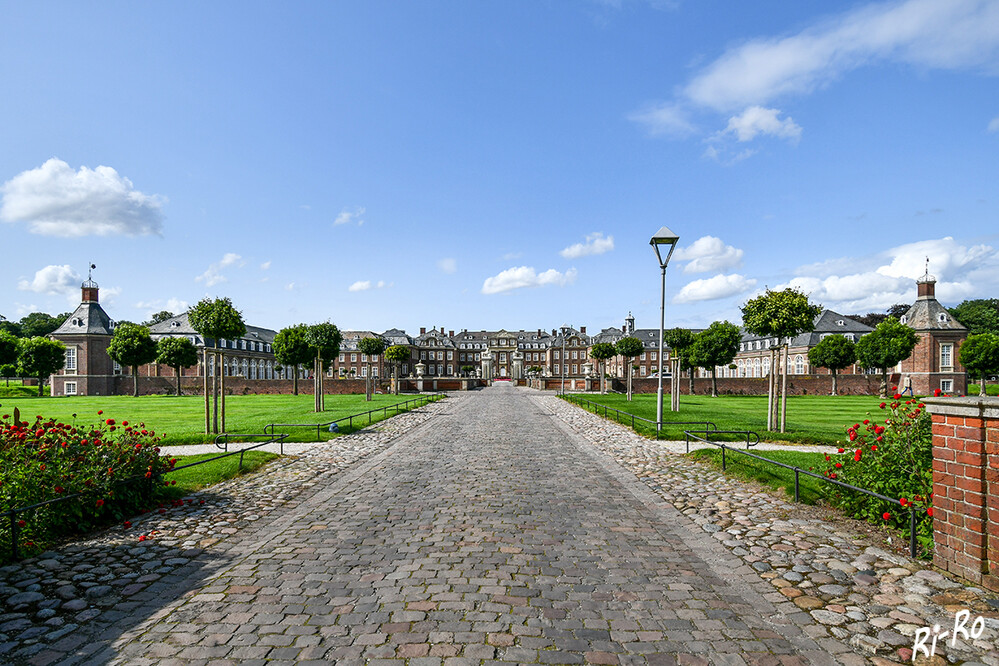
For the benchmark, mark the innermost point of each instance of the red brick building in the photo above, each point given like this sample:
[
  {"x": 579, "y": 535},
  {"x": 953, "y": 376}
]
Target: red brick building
[{"x": 934, "y": 362}]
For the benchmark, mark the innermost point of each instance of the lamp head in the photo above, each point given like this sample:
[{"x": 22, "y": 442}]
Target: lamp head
[{"x": 664, "y": 240}]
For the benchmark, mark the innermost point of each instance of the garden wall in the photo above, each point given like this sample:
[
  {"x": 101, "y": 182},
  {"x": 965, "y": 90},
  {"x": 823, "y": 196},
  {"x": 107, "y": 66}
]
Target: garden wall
[
  {"x": 966, "y": 487},
  {"x": 240, "y": 386}
]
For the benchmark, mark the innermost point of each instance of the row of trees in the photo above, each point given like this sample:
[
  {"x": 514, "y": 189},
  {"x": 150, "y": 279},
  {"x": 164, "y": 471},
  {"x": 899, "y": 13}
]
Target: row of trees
[{"x": 36, "y": 357}]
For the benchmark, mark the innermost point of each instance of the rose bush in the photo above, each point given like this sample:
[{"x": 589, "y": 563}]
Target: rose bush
[
  {"x": 113, "y": 466},
  {"x": 890, "y": 453}
]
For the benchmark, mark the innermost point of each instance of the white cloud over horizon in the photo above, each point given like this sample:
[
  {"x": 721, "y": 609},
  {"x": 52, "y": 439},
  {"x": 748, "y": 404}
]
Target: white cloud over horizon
[
  {"x": 713, "y": 288},
  {"x": 595, "y": 243},
  {"x": 347, "y": 216},
  {"x": 525, "y": 276},
  {"x": 708, "y": 253},
  {"x": 213, "y": 275},
  {"x": 365, "y": 285},
  {"x": 53, "y": 280},
  {"x": 447, "y": 265},
  {"x": 174, "y": 305},
  {"x": 56, "y": 200}
]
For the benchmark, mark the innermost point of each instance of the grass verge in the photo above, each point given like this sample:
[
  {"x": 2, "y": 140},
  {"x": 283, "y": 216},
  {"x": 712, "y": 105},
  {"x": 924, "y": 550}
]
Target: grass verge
[
  {"x": 193, "y": 479},
  {"x": 743, "y": 467}
]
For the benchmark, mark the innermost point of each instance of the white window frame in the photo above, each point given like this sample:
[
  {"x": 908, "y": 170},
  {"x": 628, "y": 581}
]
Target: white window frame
[
  {"x": 69, "y": 388},
  {"x": 70, "y": 360},
  {"x": 947, "y": 385},
  {"x": 946, "y": 355}
]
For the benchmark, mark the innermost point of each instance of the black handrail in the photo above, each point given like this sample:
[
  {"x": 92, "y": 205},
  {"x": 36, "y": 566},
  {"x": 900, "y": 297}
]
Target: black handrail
[
  {"x": 13, "y": 513},
  {"x": 399, "y": 406},
  {"x": 913, "y": 549},
  {"x": 709, "y": 426}
]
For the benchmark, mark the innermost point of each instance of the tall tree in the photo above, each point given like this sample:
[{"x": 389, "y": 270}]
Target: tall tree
[
  {"x": 157, "y": 317},
  {"x": 714, "y": 346},
  {"x": 131, "y": 345},
  {"x": 40, "y": 357},
  {"x": 629, "y": 348},
  {"x": 834, "y": 352},
  {"x": 216, "y": 319},
  {"x": 8, "y": 348},
  {"x": 602, "y": 352},
  {"x": 291, "y": 350},
  {"x": 396, "y": 354},
  {"x": 324, "y": 340},
  {"x": 889, "y": 343},
  {"x": 782, "y": 315},
  {"x": 980, "y": 357},
  {"x": 176, "y": 353},
  {"x": 679, "y": 340},
  {"x": 11, "y": 327},
  {"x": 37, "y": 324},
  {"x": 371, "y": 347},
  {"x": 978, "y": 316}
]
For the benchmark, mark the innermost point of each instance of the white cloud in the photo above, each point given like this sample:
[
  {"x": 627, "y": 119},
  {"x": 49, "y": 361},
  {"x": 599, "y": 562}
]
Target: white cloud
[
  {"x": 525, "y": 276},
  {"x": 708, "y": 253},
  {"x": 55, "y": 200},
  {"x": 994, "y": 125},
  {"x": 24, "y": 310},
  {"x": 719, "y": 286},
  {"x": 595, "y": 244},
  {"x": 174, "y": 305},
  {"x": 928, "y": 33},
  {"x": 53, "y": 280},
  {"x": 757, "y": 120},
  {"x": 447, "y": 265},
  {"x": 290, "y": 286},
  {"x": 349, "y": 216},
  {"x": 264, "y": 266},
  {"x": 364, "y": 285},
  {"x": 669, "y": 120},
  {"x": 213, "y": 275}
]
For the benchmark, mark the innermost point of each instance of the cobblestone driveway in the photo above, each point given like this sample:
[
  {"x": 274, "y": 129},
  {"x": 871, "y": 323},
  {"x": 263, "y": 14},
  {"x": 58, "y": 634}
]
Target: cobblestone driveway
[{"x": 492, "y": 533}]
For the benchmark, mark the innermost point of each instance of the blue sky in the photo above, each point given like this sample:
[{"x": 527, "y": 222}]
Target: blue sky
[{"x": 486, "y": 165}]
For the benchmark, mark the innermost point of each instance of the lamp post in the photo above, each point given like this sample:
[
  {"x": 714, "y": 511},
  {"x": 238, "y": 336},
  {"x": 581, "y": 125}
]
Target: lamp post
[
  {"x": 565, "y": 331},
  {"x": 664, "y": 239}
]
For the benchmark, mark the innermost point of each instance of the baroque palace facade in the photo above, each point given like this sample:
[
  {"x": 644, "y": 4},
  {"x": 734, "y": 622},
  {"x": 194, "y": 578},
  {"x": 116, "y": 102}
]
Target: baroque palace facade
[{"x": 502, "y": 354}]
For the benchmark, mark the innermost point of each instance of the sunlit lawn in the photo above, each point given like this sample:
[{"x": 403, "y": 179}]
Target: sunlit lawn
[
  {"x": 810, "y": 418},
  {"x": 180, "y": 420}
]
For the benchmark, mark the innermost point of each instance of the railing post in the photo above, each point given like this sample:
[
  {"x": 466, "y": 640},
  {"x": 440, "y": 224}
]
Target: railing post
[
  {"x": 241, "y": 459},
  {"x": 795, "y": 484},
  {"x": 14, "y": 536},
  {"x": 723, "y": 456}
]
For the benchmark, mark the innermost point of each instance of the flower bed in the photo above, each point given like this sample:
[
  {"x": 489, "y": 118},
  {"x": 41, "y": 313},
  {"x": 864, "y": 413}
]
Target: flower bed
[
  {"x": 106, "y": 471},
  {"x": 892, "y": 456}
]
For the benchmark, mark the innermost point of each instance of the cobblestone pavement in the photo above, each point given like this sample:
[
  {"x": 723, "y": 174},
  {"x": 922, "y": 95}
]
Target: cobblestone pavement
[
  {"x": 495, "y": 535},
  {"x": 502, "y": 525}
]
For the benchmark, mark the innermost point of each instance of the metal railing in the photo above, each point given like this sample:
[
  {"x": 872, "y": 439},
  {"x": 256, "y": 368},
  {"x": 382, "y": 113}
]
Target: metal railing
[
  {"x": 596, "y": 406},
  {"x": 329, "y": 425},
  {"x": 798, "y": 471},
  {"x": 13, "y": 513}
]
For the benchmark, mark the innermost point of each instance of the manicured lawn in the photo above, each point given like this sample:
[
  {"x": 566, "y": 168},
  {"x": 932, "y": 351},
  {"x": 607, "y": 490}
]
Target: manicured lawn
[
  {"x": 744, "y": 467},
  {"x": 195, "y": 478},
  {"x": 811, "y": 419},
  {"x": 990, "y": 389},
  {"x": 181, "y": 420}
]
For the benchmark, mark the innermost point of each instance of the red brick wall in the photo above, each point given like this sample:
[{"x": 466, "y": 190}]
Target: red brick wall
[{"x": 966, "y": 487}]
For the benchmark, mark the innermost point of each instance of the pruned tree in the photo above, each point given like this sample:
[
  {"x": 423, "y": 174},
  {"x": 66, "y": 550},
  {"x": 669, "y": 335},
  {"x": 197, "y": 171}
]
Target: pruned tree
[
  {"x": 602, "y": 352},
  {"x": 980, "y": 357},
  {"x": 980, "y": 315},
  {"x": 782, "y": 315},
  {"x": 833, "y": 352},
  {"x": 888, "y": 344},
  {"x": 40, "y": 324},
  {"x": 679, "y": 340},
  {"x": 131, "y": 345},
  {"x": 216, "y": 319},
  {"x": 291, "y": 350},
  {"x": 371, "y": 347},
  {"x": 396, "y": 354},
  {"x": 324, "y": 340},
  {"x": 629, "y": 348},
  {"x": 176, "y": 353},
  {"x": 714, "y": 346},
  {"x": 40, "y": 357},
  {"x": 8, "y": 348}
]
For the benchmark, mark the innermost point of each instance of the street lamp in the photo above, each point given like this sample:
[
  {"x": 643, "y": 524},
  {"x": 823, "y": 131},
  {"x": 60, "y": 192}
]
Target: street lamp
[
  {"x": 565, "y": 331},
  {"x": 664, "y": 239}
]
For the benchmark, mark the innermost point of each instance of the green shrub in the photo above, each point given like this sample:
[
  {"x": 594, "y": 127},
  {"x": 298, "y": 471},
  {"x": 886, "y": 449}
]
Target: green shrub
[
  {"x": 892, "y": 456},
  {"x": 43, "y": 459}
]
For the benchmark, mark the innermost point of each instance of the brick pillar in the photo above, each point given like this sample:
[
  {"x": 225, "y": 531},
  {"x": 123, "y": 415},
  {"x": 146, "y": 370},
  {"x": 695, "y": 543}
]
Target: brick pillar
[{"x": 966, "y": 487}]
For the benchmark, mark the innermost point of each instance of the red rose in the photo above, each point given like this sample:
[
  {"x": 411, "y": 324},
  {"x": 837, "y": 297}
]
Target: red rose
[
  {"x": 929, "y": 512},
  {"x": 840, "y": 451},
  {"x": 883, "y": 405},
  {"x": 21, "y": 523},
  {"x": 142, "y": 537},
  {"x": 110, "y": 421},
  {"x": 936, "y": 393},
  {"x": 903, "y": 501},
  {"x": 124, "y": 423},
  {"x": 128, "y": 524},
  {"x": 100, "y": 503},
  {"x": 856, "y": 456},
  {"x": 839, "y": 465},
  {"x": 99, "y": 412},
  {"x": 886, "y": 515}
]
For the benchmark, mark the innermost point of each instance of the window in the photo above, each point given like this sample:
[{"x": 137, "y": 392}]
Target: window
[
  {"x": 574, "y": 355},
  {"x": 946, "y": 385},
  {"x": 575, "y": 369},
  {"x": 71, "y": 359},
  {"x": 440, "y": 369},
  {"x": 450, "y": 356},
  {"x": 653, "y": 356},
  {"x": 342, "y": 356},
  {"x": 502, "y": 357},
  {"x": 116, "y": 368},
  {"x": 405, "y": 368},
  {"x": 364, "y": 371},
  {"x": 642, "y": 356},
  {"x": 642, "y": 370},
  {"x": 70, "y": 388},
  {"x": 942, "y": 318},
  {"x": 556, "y": 355},
  {"x": 946, "y": 355},
  {"x": 450, "y": 369},
  {"x": 374, "y": 371},
  {"x": 557, "y": 369},
  {"x": 478, "y": 357},
  {"x": 799, "y": 365},
  {"x": 423, "y": 356}
]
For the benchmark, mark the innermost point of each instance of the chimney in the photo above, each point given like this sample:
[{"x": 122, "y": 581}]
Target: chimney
[
  {"x": 924, "y": 289},
  {"x": 450, "y": 334},
  {"x": 89, "y": 292},
  {"x": 423, "y": 330},
  {"x": 582, "y": 329},
  {"x": 553, "y": 331}
]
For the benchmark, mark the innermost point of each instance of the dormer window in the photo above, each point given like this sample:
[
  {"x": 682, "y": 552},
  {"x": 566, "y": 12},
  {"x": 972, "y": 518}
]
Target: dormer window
[
  {"x": 942, "y": 318},
  {"x": 904, "y": 319},
  {"x": 175, "y": 324},
  {"x": 840, "y": 322}
]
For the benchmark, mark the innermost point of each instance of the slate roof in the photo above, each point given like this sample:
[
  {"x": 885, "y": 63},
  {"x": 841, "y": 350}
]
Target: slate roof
[
  {"x": 826, "y": 323},
  {"x": 87, "y": 319},
  {"x": 181, "y": 325},
  {"x": 927, "y": 314}
]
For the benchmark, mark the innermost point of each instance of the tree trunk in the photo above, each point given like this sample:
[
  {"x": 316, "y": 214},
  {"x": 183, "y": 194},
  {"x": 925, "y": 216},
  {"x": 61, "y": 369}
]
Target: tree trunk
[
  {"x": 690, "y": 381},
  {"x": 217, "y": 366},
  {"x": 135, "y": 381},
  {"x": 629, "y": 380},
  {"x": 834, "y": 391},
  {"x": 204, "y": 368},
  {"x": 603, "y": 379},
  {"x": 177, "y": 370},
  {"x": 294, "y": 374},
  {"x": 40, "y": 382},
  {"x": 714, "y": 382},
  {"x": 783, "y": 390},
  {"x": 369, "y": 384},
  {"x": 222, "y": 394},
  {"x": 770, "y": 392},
  {"x": 315, "y": 383},
  {"x": 884, "y": 382},
  {"x": 981, "y": 386}
]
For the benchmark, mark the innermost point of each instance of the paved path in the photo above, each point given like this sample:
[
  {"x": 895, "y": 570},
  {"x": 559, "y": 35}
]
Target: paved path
[{"x": 495, "y": 534}]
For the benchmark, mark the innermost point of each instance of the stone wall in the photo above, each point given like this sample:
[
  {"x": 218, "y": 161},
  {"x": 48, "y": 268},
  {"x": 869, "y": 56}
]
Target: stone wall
[{"x": 966, "y": 487}]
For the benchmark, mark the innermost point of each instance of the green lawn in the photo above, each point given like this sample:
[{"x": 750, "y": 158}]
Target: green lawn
[
  {"x": 990, "y": 389},
  {"x": 811, "y": 419},
  {"x": 744, "y": 467},
  {"x": 181, "y": 420}
]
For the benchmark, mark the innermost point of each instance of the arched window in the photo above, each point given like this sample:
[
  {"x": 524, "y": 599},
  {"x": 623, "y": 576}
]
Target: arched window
[
  {"x": 799, "y": 365},
  {"x": 742, "y": 368},
  {"x": 246, "y": 368},
  {"x": 766, "y": 367},
  {"x": 756, "y": 367}
]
